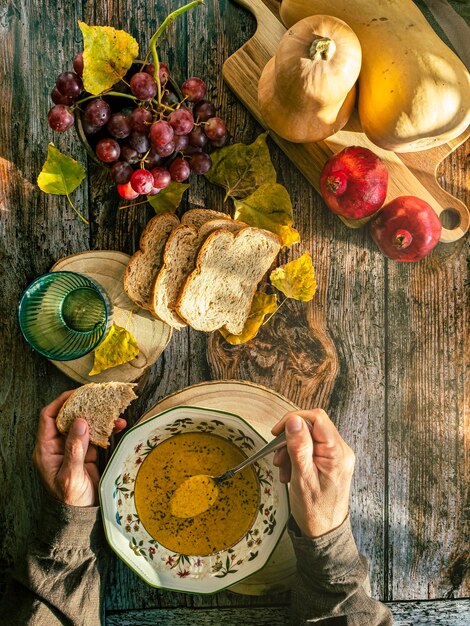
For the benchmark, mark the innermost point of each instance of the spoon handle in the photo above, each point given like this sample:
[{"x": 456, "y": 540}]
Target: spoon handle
[{"x": 275, "y": 444}]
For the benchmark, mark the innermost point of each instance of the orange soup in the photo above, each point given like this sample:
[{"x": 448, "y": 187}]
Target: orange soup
[{"x": 175, "y": 460}]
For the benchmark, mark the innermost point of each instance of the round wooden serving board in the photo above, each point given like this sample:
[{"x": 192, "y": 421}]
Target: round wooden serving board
[
  {"x": 106, "y": 267},
  {"x": 262, "y": 408}
]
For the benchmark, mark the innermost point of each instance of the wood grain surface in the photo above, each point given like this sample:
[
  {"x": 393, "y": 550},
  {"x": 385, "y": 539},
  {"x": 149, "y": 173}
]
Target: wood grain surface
[{"x": 383, "y": 346}]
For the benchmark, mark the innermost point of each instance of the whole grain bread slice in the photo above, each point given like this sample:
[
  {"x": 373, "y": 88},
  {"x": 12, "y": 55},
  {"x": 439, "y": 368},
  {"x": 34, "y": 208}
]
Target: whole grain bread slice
[
  {"x": 197, "y": 217},
  {"x": 100, "y": 404},
  {"x": 229, "y": 267},
  {"x": 144, "y": 265},
  {"x": 179, "y": 260}
]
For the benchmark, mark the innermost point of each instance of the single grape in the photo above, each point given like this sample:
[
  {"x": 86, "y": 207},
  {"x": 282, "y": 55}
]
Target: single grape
[
  {"x": 108, "y": 150},
  {"x": 154, "y": 191},
  {"x": 141, "y": 120},
  {"x": 190, "y": 150},
  {"x": 142, "y": 181},
  {"x": 166, "y": 151},
  {"x": 130, "y": 155},
  {"x": 139, "y": 141},
  {"x": 161, "y": 177},
  {"x": 179, "y": 170},
  {"x": 181, "y": 142},
  {"x": 143, "y": 86},
  {"x": 121, "y": 172},
  {"x": 152, "y": 159},
  {"x": 200, "y": 163},
  {"x": 163, "y": 72},
  {"x": 60, "y": 118},
  {"x": 69, "y": 84},
  {"x": 215, "y": 128},
  {"x": 194, "y": 89},
  {"x": 197, "y": 137},
  {"x": 88, "y": 128},
  {"x": 78, "y": 63},
  {"x": 203, "y": 111},
  {"x": 170, "y": 99},
  {"x": 58, "y": 98},
  {"x": 161, "y": 133},
  {"x": 126, "y": 192},
  {"x": 98, "y": 112},
  {"x": 119, "y": 126},
  {"x": 220, "y": 143},
  {"x": 182, "y": 121}
]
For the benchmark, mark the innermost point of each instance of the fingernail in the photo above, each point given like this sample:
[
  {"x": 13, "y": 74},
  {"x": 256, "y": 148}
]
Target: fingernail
[
  {"x": 294, "y": 425},
  {"x": 79, "y": 427}
]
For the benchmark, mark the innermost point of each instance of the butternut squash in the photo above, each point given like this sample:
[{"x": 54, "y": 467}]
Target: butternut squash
[
  {"x": 414, "y": 92},
  {"x": 307, "y": 90}
]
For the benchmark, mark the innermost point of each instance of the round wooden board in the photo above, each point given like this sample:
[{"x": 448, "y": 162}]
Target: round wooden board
[
  {"x": 106, "y": 267},
  {"x": 262, "y": 408}
]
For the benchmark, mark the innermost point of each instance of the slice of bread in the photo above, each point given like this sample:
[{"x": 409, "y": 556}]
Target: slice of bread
[
  {"x": 179, "y": 260},
  {"x": 144, "y": 265},
  {"x": 100, "y": 404},
  {"x": 229, "y": 267},
  {"x": 197, "y": 217}
]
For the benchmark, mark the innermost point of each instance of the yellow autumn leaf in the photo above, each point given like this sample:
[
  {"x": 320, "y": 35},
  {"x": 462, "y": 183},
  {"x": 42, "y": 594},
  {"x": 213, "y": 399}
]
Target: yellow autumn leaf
[
  {"x": 296, "y": 279},
  {"x": 107, "y": 56},
  {"x": 261, "y": 306},
  {"x": 118, "y": 347}
]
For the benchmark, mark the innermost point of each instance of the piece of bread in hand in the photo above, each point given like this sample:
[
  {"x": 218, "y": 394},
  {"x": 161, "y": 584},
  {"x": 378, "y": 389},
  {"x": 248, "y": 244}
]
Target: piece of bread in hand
[
  {"x": 179, "y": 260},
  {"x": 219, "y": 292},
  {"x": 144, "y": 265},
  {"x": 100, "y": 404}
]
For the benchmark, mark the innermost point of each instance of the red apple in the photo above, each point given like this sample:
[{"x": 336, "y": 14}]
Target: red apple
[
  {"x": 406, "y": 229},
  {"x": 354, "y": 183}
]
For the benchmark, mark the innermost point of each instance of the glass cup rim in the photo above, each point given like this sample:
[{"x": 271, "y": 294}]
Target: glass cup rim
[{"x": 99, "y": 289}]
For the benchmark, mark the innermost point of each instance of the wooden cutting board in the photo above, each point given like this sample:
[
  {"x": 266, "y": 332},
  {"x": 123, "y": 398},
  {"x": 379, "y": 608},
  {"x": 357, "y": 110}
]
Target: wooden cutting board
[
  {"x": 409, "y": 173},
  {"x": 107, "y": 267},
  {"x": 262, "y": 408}
]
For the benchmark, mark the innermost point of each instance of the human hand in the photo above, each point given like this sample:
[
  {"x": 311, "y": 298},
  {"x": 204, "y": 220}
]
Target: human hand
[
  {"x": 319, "y": 466},
  {"x": 67, "y": 464}
]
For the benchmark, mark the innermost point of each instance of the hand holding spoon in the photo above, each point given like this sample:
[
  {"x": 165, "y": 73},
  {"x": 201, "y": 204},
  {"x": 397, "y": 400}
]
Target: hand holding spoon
[{"x": 198, "y": 493}]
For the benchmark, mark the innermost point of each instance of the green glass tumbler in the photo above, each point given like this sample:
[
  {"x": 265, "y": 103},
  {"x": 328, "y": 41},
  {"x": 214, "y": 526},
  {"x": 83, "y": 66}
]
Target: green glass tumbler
[{"x": 64, "y": 315}]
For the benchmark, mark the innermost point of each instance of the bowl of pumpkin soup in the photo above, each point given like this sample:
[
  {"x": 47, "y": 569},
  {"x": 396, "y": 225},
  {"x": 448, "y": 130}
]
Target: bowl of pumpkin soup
[{"x": 166, "y": 519}]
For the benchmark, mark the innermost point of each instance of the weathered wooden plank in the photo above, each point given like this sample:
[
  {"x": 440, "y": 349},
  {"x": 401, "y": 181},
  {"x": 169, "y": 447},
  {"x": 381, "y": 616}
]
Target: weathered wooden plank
[
  {"x": 437, "y": 613},
  {"x": 428, "y": 351},
  {"x": 35, "y": 230}
]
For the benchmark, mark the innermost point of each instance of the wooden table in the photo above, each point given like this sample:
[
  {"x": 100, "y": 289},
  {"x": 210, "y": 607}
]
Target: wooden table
[{"x": 398, "y": 332}]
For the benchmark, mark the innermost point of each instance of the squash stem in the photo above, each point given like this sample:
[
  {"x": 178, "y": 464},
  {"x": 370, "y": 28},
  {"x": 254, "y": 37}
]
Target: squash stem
[{"x": 322, "y": 49}]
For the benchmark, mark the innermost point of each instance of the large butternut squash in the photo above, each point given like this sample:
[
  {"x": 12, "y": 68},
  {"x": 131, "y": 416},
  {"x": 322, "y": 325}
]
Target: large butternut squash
[{"x": 414, "y": 92}]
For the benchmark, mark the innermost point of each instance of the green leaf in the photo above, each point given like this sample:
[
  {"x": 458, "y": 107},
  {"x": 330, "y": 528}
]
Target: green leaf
[
  {"x": 296, "y": 279},
  {"x": 261, "y": 306},
  {"x": 107, "y": 56},
  {"x": 60, "y": 174},
  {"x": 118, "y": 347},
  {"x": 240, "y": 169},
  {"x": 168, "y": 199},
  {"x": 269, "y": 207}
]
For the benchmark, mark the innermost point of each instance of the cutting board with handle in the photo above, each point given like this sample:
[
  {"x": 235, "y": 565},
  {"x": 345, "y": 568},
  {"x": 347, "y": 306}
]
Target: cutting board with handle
[{"x": 412, "y": 173}]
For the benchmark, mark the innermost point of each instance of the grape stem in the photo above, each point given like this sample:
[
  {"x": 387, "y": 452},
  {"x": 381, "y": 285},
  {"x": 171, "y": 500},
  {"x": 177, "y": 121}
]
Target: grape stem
[
  {"x": 106, "y": 93},
  {"x": 167, "y": 22},
  {"x": 76, "y": 210}
]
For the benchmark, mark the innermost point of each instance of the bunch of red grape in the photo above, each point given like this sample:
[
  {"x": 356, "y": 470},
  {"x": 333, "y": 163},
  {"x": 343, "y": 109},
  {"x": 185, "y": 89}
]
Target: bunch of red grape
[{"x": 159, "y": 138}]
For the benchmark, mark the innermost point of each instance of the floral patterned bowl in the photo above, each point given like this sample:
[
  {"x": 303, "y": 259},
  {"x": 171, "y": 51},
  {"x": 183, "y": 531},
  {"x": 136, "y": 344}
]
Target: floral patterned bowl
[{"x": 163, "y": 568}]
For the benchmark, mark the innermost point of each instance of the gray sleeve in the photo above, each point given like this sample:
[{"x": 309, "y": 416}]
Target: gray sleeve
[
  {"x": 333, "y": 581},
  {"x": 58, "y": 582}
]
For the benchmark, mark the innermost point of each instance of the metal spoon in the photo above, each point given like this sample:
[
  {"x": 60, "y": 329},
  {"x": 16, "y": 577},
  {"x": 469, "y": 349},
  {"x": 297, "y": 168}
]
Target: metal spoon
[
  {"x": 183, "y": 502},
  {"x": 272, "y": 446}
]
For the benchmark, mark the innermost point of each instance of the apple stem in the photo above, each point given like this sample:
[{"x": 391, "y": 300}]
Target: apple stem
[
  {"x": 402, "y": 239},
  {"x": 337, "y": 183}
]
